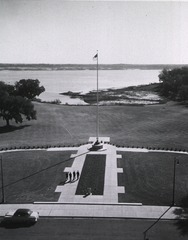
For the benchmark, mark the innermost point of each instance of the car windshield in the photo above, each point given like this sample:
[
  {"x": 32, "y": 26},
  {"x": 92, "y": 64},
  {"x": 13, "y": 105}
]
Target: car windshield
[{"x": 22, "y": 213}]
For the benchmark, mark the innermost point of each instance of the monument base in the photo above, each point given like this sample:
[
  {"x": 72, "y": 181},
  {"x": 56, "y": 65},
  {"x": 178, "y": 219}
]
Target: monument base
[{"x": 96, "y": 146}]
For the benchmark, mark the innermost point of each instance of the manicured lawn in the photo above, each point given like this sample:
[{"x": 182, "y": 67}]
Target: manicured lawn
[
  {"x": 92, "y": 175},
  {"x": 148, "y": 178},
  {"x": 162, "y": 125},
  {"x": 39, "y": 187}
]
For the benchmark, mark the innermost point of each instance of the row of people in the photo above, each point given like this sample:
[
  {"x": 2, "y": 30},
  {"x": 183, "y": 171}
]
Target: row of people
[{"x": 72, "y": 176}]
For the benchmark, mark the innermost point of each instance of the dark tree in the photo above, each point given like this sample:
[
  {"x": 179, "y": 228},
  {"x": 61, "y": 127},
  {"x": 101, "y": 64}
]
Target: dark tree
[
  {"x": 174, "y": 83},
  {"x": 183, "y": 93},
  {"x": 28, "y": 88},
  {"x": 6, "y": 88},
  {"x": 15, "y": 108}
]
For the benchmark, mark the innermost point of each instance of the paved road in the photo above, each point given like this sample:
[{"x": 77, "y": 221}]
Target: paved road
[{"x": 91, "y": 229}]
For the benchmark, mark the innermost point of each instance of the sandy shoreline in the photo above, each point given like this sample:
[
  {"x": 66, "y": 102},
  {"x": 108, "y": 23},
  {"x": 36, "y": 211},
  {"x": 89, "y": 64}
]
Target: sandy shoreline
[{"x": 137, "y": 95}]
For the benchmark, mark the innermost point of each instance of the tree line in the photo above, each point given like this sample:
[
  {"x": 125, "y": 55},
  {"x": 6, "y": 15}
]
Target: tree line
[
  {"x": 16, "y": 100},
  {"x": 174, "y": 83}
]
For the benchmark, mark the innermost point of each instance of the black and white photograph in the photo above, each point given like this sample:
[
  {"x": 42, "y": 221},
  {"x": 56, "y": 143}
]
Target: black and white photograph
[{"x": 93, "y": 120}]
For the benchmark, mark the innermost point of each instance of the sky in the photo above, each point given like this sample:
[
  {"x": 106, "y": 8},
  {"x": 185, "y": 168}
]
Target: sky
[{"x": 62, "y": 32}]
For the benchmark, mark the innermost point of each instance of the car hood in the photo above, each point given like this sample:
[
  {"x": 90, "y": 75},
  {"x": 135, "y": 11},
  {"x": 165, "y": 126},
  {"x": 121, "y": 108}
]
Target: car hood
[
  {"x": 9, "y": 214},
  {"x": 34, "y": 214}
]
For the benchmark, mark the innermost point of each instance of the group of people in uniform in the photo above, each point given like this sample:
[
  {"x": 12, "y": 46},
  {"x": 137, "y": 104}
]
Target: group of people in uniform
[{"x": 72, "y": 176}]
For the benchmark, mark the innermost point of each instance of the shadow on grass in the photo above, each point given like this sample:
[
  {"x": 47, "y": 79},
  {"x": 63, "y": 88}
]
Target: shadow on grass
[
  {"x": 6, "y": 129},
  {"x": 13, "y": 225},
  {"x": 182, "y": 217},
  {"x": 69, "y": 181},
  {"x": 63, "y": 182}
]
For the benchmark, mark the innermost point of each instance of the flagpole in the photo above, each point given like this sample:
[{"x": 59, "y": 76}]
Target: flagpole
[
  {"x": 97, "y": 145},
  {"x": 97, "y": 126}
]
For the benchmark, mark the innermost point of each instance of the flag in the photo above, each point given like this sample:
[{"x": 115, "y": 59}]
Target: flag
[{"x": 95, "y": 57}]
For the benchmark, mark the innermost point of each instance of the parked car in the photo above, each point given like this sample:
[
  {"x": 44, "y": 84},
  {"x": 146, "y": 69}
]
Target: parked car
[{"x": 22, "y": 215}]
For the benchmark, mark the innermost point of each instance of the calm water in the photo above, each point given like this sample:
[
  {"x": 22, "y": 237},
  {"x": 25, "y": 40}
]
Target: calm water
[{"x": 84, "y": 81}]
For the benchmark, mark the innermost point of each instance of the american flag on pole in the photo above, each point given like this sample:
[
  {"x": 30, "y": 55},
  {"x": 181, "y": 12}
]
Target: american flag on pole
[{"x": 95, "y": 57}]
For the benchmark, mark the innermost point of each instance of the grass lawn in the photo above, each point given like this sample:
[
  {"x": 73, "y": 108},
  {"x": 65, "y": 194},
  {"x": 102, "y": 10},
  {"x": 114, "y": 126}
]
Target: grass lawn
[
  {"x": 39, "y": 187},
  {"x": 92, "y": 175},
  {"x": 148, "y": 178},
  {"x": 162, "y": 125}
]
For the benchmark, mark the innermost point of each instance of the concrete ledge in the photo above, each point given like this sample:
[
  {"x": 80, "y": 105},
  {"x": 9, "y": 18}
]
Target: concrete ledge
[
  {"x": 89, "y": 203},
  {"x": 103, "y": 139},
  {"x": 68, "y": 169},
  {"x": 119, "y": 170},
  {"x": 121, "y": 189},
  {"x": 125, "y": 149},
  {"x": 131, "y": 149},
  {"x": 93, "y": 210},
  {"x": 51, "y": 149}
]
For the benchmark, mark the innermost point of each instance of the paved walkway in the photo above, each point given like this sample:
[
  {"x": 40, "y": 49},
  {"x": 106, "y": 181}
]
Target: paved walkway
[
  {"x": 93, "y": 210},
  {"x": 111, "y": 188},
  {"x": 71, "y": 205}
]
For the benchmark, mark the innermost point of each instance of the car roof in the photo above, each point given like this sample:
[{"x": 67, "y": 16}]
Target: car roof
[{"x": 23, "y": 210}]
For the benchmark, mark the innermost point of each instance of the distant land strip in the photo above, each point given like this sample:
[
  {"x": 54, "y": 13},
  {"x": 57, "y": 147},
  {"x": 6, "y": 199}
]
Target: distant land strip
[{"x": 57, "y": 67}]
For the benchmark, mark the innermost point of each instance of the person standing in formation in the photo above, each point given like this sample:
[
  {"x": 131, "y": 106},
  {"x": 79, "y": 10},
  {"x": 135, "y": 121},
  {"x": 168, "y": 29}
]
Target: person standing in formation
[
  {"x": 74, "y": 175},
  {"x": 77, "y": 175},
  {"x": 67, "y": 176},
  {"x": 70, "y": 176}
]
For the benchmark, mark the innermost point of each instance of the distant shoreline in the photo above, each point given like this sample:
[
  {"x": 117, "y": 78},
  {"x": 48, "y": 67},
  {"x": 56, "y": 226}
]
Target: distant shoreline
[{"x": 72, "y": 67}]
